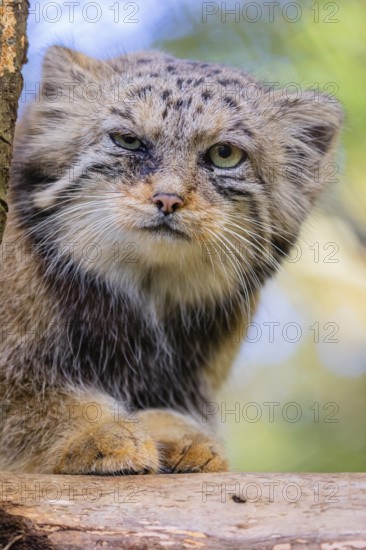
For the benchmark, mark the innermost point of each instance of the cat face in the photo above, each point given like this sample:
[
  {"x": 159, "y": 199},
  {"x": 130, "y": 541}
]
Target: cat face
[{"x": 147, "y": 163}]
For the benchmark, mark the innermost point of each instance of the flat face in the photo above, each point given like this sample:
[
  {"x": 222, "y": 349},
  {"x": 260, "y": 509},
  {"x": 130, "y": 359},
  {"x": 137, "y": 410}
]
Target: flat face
[{"x": 162, "y": 164}]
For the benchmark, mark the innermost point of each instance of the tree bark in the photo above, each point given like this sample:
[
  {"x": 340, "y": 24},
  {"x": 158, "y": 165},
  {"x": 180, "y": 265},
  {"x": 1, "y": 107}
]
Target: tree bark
[
  {"x": 13, "y": 49},
  {"x": 196, "y": 511}
]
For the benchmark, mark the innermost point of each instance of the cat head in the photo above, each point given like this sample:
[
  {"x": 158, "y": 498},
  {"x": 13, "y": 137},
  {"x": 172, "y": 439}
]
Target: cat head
[{"x": 150, "y": 166}]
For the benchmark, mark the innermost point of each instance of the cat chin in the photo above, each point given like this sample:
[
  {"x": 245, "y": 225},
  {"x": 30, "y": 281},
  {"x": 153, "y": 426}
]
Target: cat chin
[
  {"x": 161, "y": 285},
  {"x": 148, "y": 252},
  {"x": 162, "y": 270}
]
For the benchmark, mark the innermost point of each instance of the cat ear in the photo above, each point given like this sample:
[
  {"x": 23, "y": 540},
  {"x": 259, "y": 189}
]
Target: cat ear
[
  {"x": 69, "y": 79},
  {"x": 64, "y": 65},
  {"x": 311, "y": 123}
]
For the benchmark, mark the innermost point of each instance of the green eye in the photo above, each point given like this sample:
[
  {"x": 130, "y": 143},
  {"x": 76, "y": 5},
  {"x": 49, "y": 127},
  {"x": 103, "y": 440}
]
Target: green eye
[
  {"x": 224, "y": 155},
  {"x": 127, "y": 142}
]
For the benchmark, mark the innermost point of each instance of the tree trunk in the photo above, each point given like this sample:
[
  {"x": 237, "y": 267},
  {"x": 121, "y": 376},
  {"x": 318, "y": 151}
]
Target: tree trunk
[{"x": 13, "y": 48}]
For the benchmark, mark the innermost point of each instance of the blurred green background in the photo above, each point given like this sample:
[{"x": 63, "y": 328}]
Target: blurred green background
[
  {"x": 317, "y": 45},
  {"x": 315, "y": 383}
]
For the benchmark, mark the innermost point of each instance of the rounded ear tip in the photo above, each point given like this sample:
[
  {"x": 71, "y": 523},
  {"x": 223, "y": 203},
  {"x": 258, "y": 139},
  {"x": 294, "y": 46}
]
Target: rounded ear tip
[
  {"x": 312, "y": 106},
  {"x": 333, "y": 108},
  {"x": 59, "y": 62},
  {"x": 327, "y": 100},
  {"x": 55, "y": 62},
  {"x": 57, "y": 50},
  {"x": 337, "y": 107},
  {"x": 55, "y": 54}
]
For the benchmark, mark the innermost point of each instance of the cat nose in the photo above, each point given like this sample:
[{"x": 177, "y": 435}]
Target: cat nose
[{"x": 167, "y": 202}]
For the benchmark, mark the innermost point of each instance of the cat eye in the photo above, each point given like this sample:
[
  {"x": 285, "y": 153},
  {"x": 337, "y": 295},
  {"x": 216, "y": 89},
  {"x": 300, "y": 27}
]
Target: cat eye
[
  {"x": 126, "y": 141},
  {"x": 224, "y": 155}
]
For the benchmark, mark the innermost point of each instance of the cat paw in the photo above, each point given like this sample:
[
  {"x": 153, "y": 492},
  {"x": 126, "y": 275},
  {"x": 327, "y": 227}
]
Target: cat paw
[
  {"x": 192, "y": 454},
  {"x": 109, "y": 448}
]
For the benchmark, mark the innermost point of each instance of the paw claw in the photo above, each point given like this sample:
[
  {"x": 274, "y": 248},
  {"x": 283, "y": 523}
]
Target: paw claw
[{"x": 198, "y": 454}]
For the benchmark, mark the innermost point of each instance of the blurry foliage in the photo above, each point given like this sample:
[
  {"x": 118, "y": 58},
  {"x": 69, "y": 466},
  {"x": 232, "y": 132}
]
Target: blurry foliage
[{"x": 326, "y": 45}]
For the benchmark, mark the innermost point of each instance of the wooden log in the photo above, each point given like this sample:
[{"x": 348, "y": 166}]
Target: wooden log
[{"x": 197, "y": 511}]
